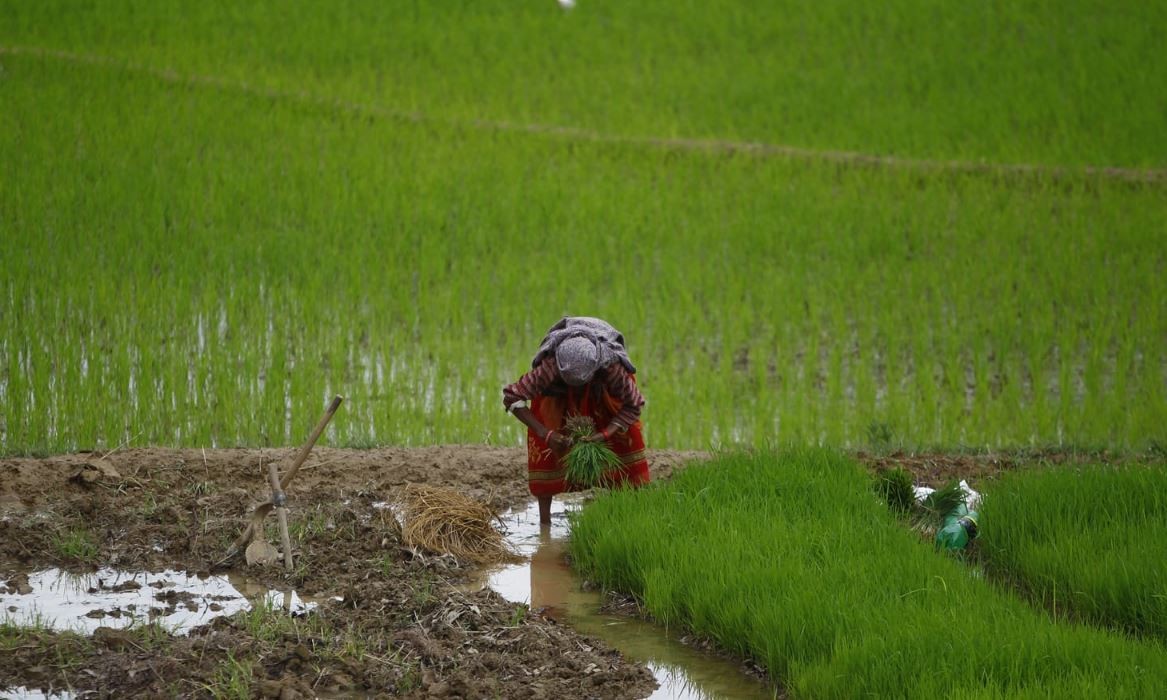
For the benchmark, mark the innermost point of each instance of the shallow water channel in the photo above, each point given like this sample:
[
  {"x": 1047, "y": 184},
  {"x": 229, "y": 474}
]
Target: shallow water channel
[{"x": 546, "y": 581}]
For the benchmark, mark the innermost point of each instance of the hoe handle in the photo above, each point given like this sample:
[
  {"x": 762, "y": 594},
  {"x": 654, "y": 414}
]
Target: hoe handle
[
  {"x": 278, "y": 498},
  {"x": 264, "y": 509},
  {"x": 303, "y": 454}
]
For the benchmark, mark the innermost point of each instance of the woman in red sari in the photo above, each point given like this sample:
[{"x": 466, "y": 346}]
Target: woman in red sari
[{"x": 581, "y": 368}]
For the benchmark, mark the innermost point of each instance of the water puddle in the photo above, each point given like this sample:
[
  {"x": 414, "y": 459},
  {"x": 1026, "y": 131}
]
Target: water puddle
[
  {"x": 178, "y": 601},
  {"x": 23, "y": 693},
  {"x": 546, "y": 581}
]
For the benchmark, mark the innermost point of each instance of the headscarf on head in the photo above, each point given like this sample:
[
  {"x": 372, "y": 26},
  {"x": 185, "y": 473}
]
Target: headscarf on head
[
  {"x": 577, "y": 360},
  {"x": 607, "y": 341}
]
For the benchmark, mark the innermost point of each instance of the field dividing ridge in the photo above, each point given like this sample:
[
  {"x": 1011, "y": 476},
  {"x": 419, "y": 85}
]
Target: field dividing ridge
[{"x": 756, "y": 148}]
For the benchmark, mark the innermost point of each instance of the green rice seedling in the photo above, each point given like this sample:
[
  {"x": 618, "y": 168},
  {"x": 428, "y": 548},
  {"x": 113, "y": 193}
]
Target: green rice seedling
[
  {"x": 1083, "y": 543},
  {"x": 896, "y": 487},
  {"x": 586, "y": 461},
  {"x": 942, "y": 501},
  {"x": 787, "y": 559}
]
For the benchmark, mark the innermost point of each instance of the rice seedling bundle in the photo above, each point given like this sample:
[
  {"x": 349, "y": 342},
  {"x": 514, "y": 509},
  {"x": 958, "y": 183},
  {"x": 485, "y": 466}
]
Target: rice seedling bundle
[
  {"x": 586, "y": 461},
  {"x": 896, "y": 487}
]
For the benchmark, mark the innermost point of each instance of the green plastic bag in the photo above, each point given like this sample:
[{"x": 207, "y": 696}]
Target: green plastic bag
[{"x": 959, "y": 528}]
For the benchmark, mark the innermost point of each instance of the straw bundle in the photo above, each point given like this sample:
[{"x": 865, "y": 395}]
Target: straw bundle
[{"x": 445, "y": 521}]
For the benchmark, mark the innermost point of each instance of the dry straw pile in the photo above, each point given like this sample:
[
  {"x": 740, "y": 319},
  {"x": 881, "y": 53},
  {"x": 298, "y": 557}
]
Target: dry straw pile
[{"x": 445, "y": 521}]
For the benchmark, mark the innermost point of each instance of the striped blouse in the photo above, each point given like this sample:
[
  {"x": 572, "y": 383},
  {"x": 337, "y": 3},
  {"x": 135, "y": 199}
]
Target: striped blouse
[{"x": 615, "y": 378}]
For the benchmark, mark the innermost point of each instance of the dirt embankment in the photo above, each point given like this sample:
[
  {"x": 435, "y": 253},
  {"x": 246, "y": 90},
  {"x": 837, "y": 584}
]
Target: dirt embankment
[{"x": 390, "y": 621}]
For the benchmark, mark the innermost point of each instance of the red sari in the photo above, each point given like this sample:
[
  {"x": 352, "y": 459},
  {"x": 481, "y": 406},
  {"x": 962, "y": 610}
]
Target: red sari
[{"x": 545, "y": 471}]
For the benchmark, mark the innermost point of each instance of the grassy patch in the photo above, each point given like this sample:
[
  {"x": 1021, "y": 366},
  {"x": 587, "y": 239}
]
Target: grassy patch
[
  {"x": 793, "y": 561},
  {"x": 65, "y": 650},
  {"x": 233, "y": 680},
  {"x": 1025, "y": 81},
  {"x": 1085, "y": 542},
  {"x": 77, "y": 544},
  {"x": 268, "y": 623}
]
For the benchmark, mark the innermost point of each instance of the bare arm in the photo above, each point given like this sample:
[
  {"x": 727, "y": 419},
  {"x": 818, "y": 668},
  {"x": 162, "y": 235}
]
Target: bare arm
[
  {"x": 527, "y": 418},
  {"x": 531, "y": 384},
  {"x": 558, "y": 442}
]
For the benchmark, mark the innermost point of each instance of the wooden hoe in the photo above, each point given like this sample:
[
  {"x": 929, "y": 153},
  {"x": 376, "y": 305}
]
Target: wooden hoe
[{"x": 258, "y": 550}]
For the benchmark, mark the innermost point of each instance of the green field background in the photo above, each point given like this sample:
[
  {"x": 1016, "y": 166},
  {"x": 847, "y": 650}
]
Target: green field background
[{"x": 214, "y": 216}]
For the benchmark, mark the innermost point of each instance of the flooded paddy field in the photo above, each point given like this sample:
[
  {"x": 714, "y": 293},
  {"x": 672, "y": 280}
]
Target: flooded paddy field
[
  {"x": 881, "y": 228},
  {"x": 212, "y": 231}
]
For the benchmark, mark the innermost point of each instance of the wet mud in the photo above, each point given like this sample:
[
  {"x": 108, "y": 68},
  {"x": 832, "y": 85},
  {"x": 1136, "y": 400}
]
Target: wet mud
[
  {"x": 385, "y": 620},
  {"x": 936, "y": 469},
  {"x": 685, "y": 667}
]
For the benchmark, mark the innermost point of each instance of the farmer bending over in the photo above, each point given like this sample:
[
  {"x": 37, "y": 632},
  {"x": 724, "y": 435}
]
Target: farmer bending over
[{"x": 581, "y": 369}]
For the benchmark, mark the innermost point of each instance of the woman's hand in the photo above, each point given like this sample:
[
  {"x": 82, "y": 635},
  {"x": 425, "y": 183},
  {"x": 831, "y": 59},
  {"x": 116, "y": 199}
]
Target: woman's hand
[
  {"x": 601, "y": 436},
  {"x": 560, "y": 444}
]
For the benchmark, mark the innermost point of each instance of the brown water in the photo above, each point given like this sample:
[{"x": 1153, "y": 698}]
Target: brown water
[{"x": 546, "y": 581}]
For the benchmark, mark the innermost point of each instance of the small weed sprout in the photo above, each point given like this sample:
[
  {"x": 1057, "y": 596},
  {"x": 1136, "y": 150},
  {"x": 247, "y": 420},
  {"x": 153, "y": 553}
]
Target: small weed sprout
[
  {"x": 75, "y": 544},
  {"x": 518, "y": 615}
]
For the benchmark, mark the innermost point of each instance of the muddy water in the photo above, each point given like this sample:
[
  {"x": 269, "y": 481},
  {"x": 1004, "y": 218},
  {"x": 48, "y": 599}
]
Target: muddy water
[
  {"x": 546, "y": 581},
  {"x": 175, "y": 600}
]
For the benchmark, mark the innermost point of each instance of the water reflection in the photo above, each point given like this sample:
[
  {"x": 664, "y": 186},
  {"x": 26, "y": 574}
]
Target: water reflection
[
  {"x": 547, "y": 582},
  {"x": 550, "y": 588},
  {"x": 176, "y": 600}
]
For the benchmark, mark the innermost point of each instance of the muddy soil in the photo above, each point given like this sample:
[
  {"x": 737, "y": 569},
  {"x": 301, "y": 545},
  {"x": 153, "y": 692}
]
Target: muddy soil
[
  {"x": 937, "y": 469},
  {"x": 390, "y": 621}
]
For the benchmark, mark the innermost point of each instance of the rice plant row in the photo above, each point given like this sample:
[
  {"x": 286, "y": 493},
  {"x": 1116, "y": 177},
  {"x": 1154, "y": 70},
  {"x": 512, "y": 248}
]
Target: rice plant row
[
  {"x": 1085, "y": 544},
  {"x": 791, "y": 560},
  {"x": 1024, "y": 82},
  {"x": 185, "y": 265}
]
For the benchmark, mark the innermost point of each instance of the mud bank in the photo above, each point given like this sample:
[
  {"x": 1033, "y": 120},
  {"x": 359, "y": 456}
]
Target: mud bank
[{"x": 386, "y": 620}]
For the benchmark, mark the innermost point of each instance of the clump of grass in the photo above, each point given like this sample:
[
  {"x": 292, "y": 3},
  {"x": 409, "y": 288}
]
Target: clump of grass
[
  {"x": 587, "y": 461},
  {"x": 75, "y": 544},
  {"x": 880, "y": 436},
  {"x": 233, "y": 680},
  {"x": 896, "y": 487}
]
